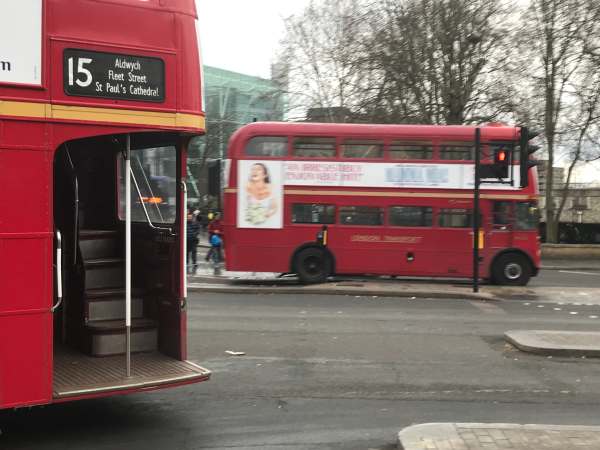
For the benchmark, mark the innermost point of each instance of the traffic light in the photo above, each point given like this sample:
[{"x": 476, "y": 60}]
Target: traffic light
[
  {"x": 526, "y": 150},
  {"x": 502, "y": 161},
  {"x": 499, "y": 167}
]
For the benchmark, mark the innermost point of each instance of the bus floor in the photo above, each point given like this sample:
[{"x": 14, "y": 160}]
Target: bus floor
[{"x": 76, "y": 374}]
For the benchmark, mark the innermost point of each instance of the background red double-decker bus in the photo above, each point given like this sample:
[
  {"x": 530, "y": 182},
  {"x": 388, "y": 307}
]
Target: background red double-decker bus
[
  {"x": 322, "y": 199},
  {"x": 85, "y": 84}
]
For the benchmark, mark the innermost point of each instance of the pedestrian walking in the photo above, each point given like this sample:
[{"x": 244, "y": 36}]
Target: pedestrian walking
[
  {"x": 214, "y": 227},
  {"x": 193, "y": 228},
  {"x": 216, "y": 244}
]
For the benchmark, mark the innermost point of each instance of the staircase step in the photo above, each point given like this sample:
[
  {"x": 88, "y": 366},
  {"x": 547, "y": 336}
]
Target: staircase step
[
  {"x": 91, "y": 234},
  {"x": 104, "y": 273},
  {"x": 112, "y": 308},
  {"x": 111, "y": 292},
  {"x": 108, "y": 337},
  {"x": 98, "y": 246}
]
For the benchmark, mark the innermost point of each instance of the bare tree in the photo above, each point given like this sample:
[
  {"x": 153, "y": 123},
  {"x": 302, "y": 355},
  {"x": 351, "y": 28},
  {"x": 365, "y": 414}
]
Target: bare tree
[
  {"x": 437, "y": 58},
  {"x": 557, "y": 35},
  {"x": 583, "y": 123},
  {"x": 322, "y": 56}
]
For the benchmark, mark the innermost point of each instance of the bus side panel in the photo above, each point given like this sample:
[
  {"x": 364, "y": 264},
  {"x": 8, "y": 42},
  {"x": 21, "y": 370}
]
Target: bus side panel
[
  {"x": 25, "y": 277},
  {"x": 26, "y": 360}
]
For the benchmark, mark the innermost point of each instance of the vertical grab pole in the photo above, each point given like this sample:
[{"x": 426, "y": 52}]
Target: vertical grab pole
[
  {"x": 184, "y": 239},
  {"x": 128, "y": 255},
  {"x": 477, "y": 182}
]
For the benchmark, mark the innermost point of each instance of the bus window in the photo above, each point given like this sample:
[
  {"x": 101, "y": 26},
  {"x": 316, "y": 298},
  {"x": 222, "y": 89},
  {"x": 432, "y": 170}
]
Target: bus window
[
  {"x": 527, "y": 216},
  {"x": 361, "y": 215},
  {"x": 411, "y": 216},
  {"x": 155, "y": 172},
  {"x": 457, "y": 151},
  {"x": 455, "y": 218},
  {"x": 267, "y": 146},
  {"x": 411, "y": 150},
  {"x": 502, "y": 214},
  {"x": 362, "y": 149},
  {"x": 312, "y": 213},
  {"x": 314, "y": 147}
]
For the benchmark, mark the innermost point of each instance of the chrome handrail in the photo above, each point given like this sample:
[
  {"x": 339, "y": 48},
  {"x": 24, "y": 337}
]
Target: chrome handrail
[
  {"x": 137, "y": 188},
  {"x": 184, "y": 239},
  {"x": 76, "y": 186},
  {"x": 149, "y": 187},
  {"x": 59, "y": 293}
]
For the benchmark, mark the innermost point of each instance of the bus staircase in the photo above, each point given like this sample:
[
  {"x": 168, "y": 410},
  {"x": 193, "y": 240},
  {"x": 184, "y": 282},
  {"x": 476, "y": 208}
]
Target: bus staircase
[
  {"x": 100, "y": 332},
  {"x": 103, "y": 331}
]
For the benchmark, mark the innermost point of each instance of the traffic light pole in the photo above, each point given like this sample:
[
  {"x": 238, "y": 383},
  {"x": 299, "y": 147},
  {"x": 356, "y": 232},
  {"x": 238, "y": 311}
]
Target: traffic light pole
[{"x": 476, "y": 225}]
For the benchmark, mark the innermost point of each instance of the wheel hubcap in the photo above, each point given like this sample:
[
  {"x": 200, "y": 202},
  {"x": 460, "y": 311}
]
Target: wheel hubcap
[
  {"x": 513, "y": 271},
  {"x": 313, "y": 265}
]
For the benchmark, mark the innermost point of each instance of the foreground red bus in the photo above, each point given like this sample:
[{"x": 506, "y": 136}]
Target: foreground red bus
[
  {"x": 92, "y": 275},
  {"x": 322, "y": 199}
]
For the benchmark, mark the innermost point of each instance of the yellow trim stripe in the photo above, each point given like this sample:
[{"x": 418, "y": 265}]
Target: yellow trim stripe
[
  {"x": 123, "y": 116},
  {"x": 401, "y": 194}
]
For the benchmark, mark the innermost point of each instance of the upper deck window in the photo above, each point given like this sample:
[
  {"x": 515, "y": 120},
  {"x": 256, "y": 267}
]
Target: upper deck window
[
  {"x": 411, "y": 150},
  {"x": 457, "y": 151},
  {"x": 362, "y": 149},
  {"x": 314, "y": 147},
  {"x": 267, "y": 146}
]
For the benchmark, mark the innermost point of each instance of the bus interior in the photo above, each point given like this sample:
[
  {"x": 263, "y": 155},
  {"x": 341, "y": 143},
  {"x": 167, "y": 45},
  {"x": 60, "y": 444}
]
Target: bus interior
[{"x": 89, "y": 219}]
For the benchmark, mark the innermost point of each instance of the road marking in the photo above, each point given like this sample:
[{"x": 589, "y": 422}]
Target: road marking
[
  {"x": 557, "y": 309},
  {"x": 488, "y": 308},
  {"x": 573, "y": 312},
  {"x": 579, "y": 273}
]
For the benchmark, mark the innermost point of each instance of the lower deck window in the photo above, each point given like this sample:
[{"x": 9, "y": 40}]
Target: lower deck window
[
  {"x": 526, "y": 216},
  {"x": 455, "y": 218},
  {"x": 361, "y": 215},
  {"x": 313, "y": 213},
  {"x": 411, "y": 216}
]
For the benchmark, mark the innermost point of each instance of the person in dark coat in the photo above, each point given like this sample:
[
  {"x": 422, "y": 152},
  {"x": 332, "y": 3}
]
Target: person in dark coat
[{"x": 193, "y": 228}]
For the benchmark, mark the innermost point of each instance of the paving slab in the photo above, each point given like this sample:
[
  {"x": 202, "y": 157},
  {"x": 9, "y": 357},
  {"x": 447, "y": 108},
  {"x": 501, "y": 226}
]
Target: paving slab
[
  {"x": 558, "y": 343},
  {"x": 497, "y": 436}
]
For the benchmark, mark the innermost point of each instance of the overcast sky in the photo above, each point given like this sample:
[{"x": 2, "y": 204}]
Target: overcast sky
[{"x": 243, "y": 35}]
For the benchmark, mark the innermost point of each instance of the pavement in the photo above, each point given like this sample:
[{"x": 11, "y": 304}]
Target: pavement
[
  {"x": 556, "y": 343},
  {"x": 498, "y": 436}
]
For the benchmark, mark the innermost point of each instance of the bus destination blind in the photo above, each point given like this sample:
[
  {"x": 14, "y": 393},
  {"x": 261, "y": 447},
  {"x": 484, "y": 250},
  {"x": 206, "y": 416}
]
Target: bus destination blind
[{"x": 109, "y": 75}]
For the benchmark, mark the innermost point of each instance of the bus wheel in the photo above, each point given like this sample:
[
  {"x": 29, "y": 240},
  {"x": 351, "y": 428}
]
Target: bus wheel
[
  {"x": 312, "y": 265},
  {"x": 511, "y": 269}
]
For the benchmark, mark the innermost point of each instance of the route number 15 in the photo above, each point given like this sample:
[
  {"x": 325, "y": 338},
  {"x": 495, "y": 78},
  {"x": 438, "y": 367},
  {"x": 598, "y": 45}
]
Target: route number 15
[{"x": 83, "y": 77}]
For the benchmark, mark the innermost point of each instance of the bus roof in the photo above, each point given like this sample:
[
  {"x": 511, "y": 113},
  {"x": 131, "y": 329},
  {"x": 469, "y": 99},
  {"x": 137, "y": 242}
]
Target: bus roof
[{"x": 457, "y": 132}]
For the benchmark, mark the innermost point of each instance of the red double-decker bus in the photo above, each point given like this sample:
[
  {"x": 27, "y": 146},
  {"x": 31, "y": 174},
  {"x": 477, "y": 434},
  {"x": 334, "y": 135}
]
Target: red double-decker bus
[
  {"x": 322, "y": 199},
  {"x": 98, "y": 101}
]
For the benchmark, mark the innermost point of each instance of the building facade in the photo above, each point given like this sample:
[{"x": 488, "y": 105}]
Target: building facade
[{"x": 231, "y": 100}]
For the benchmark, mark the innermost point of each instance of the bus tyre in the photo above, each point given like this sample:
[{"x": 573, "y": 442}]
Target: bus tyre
[
  {"x": 511, "y": 269},
  {"x": 312, "y": 265}
]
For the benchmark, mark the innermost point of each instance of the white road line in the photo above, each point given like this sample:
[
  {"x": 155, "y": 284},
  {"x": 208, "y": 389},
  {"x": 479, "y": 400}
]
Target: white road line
[{"x": 579, "y": 273}]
